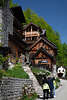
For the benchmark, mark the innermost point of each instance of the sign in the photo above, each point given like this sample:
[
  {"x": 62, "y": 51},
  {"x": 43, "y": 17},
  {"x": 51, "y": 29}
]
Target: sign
[{"x": 44, "y": 61}]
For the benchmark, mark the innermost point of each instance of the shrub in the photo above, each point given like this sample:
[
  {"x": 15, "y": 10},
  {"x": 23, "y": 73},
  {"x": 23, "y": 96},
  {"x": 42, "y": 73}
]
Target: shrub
[
  {"x": 57, "y": 82},
  {"x": 29, "y": 97},
  {"x": 1, "y": 74},
  {"x": 57, "y": 79},
  {"x": 40, "y": 71},
  {"x": 16, "y": 72}
]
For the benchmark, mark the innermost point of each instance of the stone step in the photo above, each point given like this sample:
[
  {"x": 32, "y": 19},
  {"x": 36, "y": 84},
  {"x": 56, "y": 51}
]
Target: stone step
[{"x": 36, "y": 85}]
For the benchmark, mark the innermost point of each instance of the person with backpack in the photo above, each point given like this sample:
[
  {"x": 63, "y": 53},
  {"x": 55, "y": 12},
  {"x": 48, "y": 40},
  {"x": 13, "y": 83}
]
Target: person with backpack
[
  {"x": 52, "y": 85},
  {"x": 54, "y": 82},
  {"x": 45, "y": 90}
]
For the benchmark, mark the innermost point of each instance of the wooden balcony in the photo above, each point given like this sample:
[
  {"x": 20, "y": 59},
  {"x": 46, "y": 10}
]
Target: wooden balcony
[{"x": 31, "y": 34}]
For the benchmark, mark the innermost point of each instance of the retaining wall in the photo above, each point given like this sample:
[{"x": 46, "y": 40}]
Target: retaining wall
[{"x": 12, "y": 88}]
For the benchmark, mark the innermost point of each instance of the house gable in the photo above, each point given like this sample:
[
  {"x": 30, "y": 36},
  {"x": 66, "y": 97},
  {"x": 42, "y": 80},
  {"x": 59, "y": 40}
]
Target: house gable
[
  {"x": 34, "y": 26},
  {"x": 42, "y": 58},
  {"x": 42, "y": 43},
  {"x": 45, "y": 41},
  {"x": 42, "y": 53}
]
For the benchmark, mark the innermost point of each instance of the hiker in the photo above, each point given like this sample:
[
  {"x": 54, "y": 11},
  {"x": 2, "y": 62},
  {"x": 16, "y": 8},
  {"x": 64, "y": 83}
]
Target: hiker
[
  {"x": 45, "y": 89},
  {"x": 51, "y": 86},
  {"x": 54, "y": 88}
]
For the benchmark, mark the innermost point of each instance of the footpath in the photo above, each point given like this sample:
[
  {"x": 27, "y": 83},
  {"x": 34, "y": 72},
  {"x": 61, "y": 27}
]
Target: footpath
[{"x": 61, "y": 92}]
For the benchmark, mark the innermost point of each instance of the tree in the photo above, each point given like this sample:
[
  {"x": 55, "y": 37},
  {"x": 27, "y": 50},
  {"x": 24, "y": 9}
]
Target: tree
[
  {"x": 11, "y": 4},
  {"x": 65, "y": 54}
]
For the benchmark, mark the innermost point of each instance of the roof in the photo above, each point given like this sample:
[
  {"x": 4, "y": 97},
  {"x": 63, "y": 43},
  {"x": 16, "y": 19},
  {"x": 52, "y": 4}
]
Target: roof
[
  {"x": 32, "y": 25},
  {"x": 43, "y": 51},
  {"x": 46, "y": 41},
  {"x": 18, "y": 13}
]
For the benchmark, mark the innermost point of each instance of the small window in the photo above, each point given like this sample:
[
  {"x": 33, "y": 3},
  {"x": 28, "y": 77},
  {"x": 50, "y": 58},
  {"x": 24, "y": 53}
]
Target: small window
[
  {"x": 34, "y": 38},
  {"x": 28, "y": 38}
]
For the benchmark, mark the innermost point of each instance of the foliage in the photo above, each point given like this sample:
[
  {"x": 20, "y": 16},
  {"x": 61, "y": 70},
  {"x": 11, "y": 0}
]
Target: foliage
[
  {"x": 57, "y": 79},
  {"x": 31, "y": 97},
  {"x": 64, "y": 54},
  {"x": 40, "y": 71},
  {"x": 1, "y": 74},
  {"x": 16, "y": 72},
  {"x": 11, "y": 4},
  {"x": 66, "y": 74},
  {"x": 2, "y": 59},
  {"x": 52, "y": 35},
  {"x": 57, "y": 82}
]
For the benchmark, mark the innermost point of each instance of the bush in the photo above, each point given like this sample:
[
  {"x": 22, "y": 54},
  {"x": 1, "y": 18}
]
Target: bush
[
  {"x": 57, "y": 82},
  {"x": 1, "y": 74},
  {"x": 29, "y": 97},
  {"x": 40, "y": 71},
  {"x": 57, "y": 79},
  {"x": 16, "y": 72}
]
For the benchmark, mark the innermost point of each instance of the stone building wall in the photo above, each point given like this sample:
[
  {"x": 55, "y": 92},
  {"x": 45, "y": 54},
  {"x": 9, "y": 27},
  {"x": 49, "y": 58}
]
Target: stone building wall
[
  {"x": 0, "y": 24},
  {"x": 6, "y": 25},
  {"x": 12, "y": 88}
]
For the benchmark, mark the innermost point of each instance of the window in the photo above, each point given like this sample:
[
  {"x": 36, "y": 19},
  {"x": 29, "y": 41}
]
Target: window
[
  {"x": 28, "y": 38},
  {"x": 34, "y": 38}
]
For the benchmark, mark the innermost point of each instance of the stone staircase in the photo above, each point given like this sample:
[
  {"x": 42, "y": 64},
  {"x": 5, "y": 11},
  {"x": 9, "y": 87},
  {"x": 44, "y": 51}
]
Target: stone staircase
[{"x": 36, "y": 86}]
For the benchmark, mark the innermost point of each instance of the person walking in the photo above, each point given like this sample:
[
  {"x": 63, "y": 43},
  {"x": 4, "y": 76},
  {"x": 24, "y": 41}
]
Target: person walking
[
  {"x": 54, "y": 88},
  {"x": 45, "y": 90},
  {"x": 51, "y": 86}
]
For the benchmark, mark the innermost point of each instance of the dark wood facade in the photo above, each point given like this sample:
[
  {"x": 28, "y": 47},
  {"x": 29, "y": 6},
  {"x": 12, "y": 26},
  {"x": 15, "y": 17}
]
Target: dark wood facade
[
  {"x": 42, "y": 59},
  {"x": 15, "y": 42},
  {"x": 42, "y": 52}
]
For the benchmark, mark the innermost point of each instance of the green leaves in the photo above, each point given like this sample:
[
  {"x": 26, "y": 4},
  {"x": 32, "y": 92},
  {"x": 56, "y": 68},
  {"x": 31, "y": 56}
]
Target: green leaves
[
  {"x": 2, "y": 59},
  {"x": 11, "y": 4}
]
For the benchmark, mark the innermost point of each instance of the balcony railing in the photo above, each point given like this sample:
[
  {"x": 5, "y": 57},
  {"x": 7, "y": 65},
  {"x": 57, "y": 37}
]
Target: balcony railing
[{"x": 30, "y": 34}]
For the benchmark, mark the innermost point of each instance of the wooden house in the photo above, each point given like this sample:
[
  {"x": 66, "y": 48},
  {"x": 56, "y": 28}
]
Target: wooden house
[
  {"x": 42, "y": 52},
  {"x": 15, "y": 42}
]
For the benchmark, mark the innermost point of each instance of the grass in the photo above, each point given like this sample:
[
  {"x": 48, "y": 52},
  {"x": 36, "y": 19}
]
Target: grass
[
  {"x": 29, "y": 97},
  {"x": 16, "y": 72},
  {"x": 40, "y": 71}
]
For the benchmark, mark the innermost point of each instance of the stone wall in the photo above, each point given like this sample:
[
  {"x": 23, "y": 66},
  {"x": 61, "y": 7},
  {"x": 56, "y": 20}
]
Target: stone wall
[
  {"x": 6, "y": 25},
  {"x": 12, "y": 88}
]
